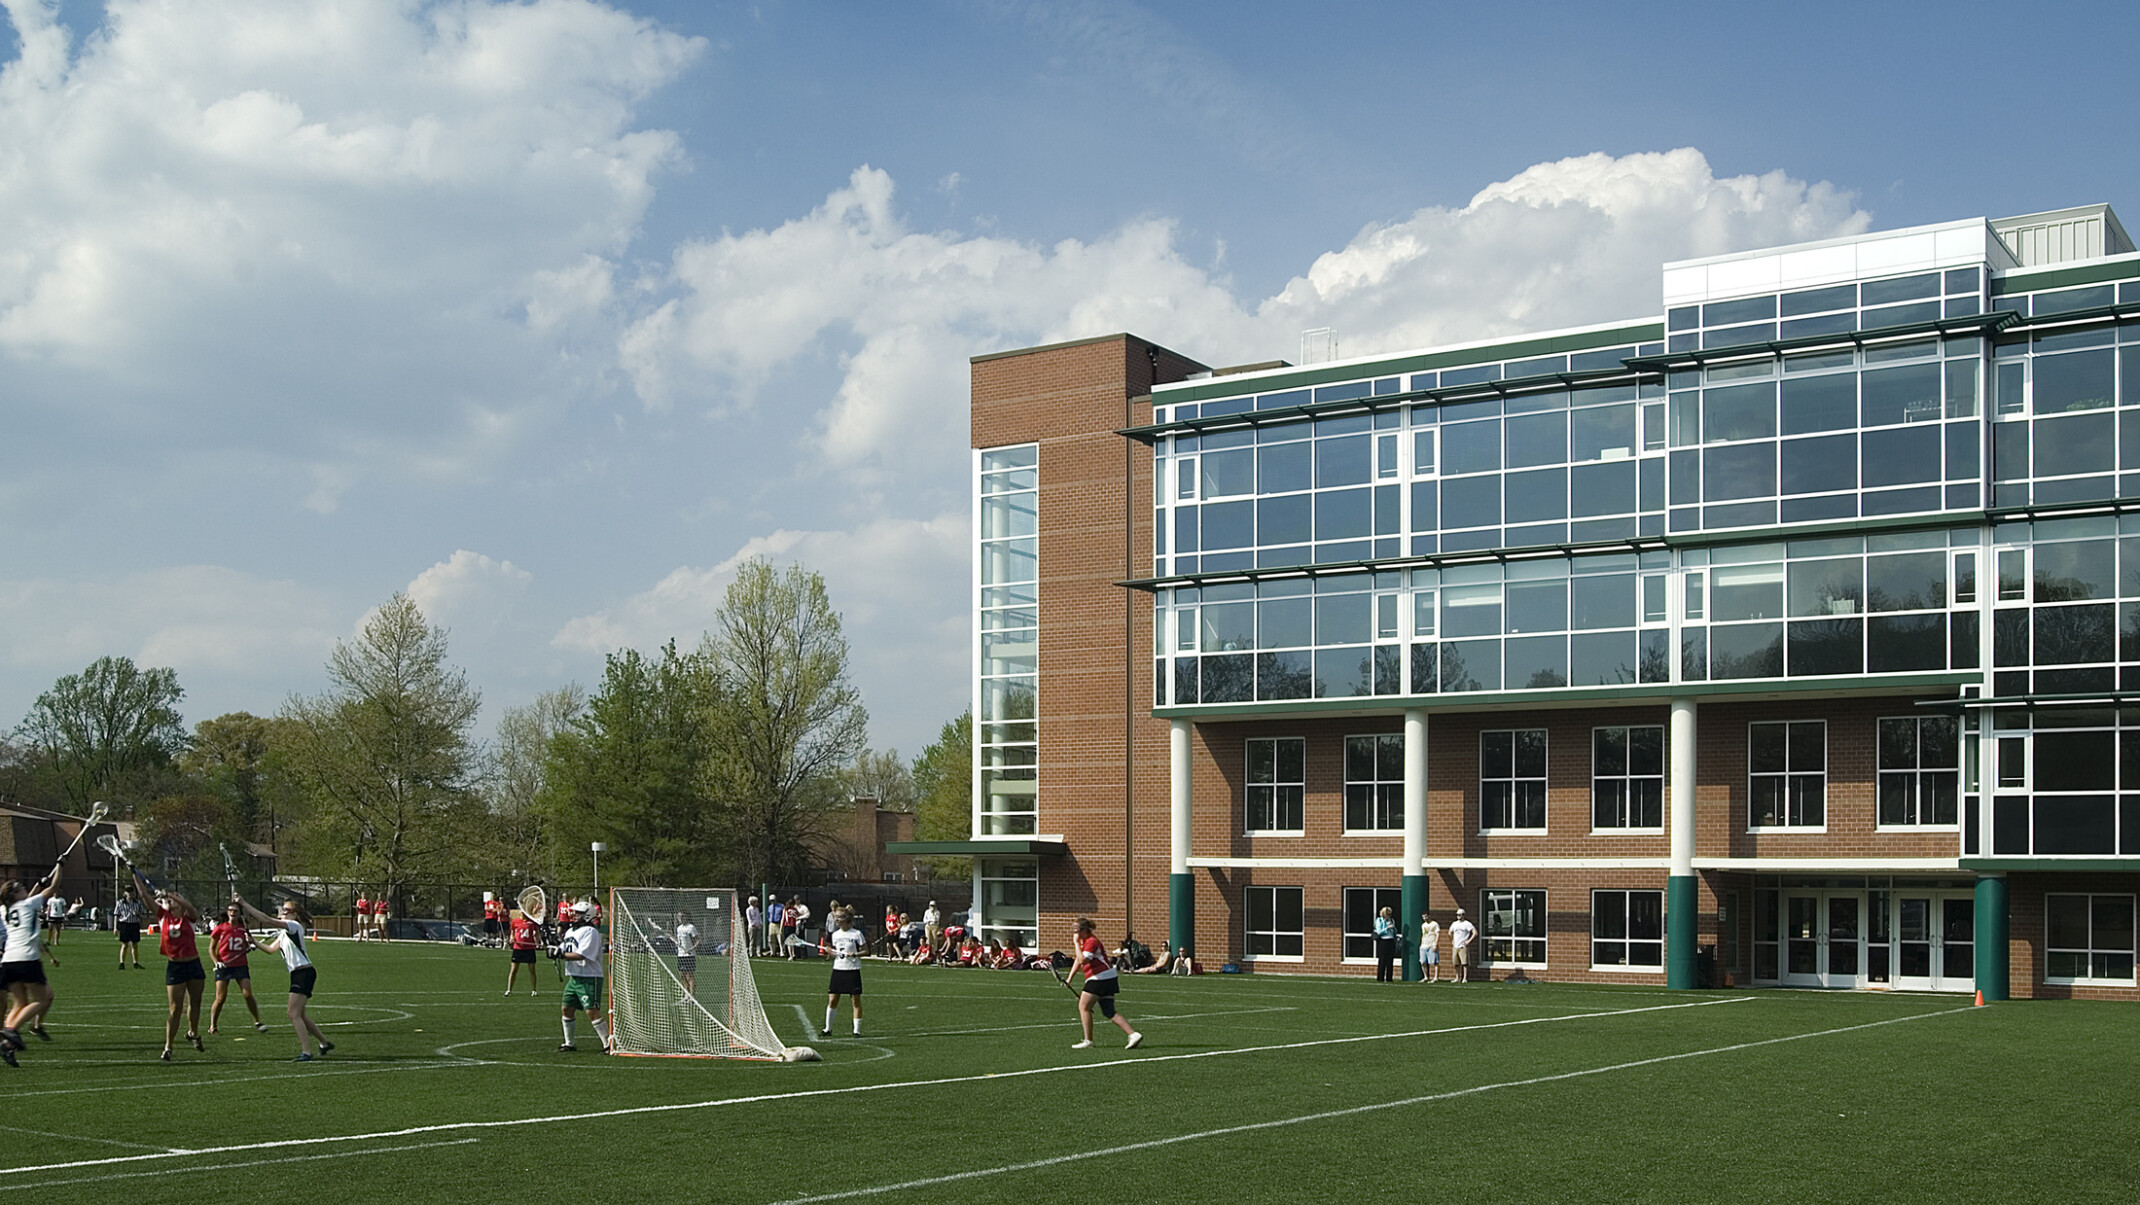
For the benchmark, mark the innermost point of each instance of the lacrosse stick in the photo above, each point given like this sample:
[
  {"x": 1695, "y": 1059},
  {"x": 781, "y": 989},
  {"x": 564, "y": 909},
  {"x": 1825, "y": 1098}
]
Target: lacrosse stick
[
  {"x": 1064, "y": 980},
  {"x": 97, "y": 812},
  {"x": 230, "y": 869},
  {"x": 109, "y": 843}
]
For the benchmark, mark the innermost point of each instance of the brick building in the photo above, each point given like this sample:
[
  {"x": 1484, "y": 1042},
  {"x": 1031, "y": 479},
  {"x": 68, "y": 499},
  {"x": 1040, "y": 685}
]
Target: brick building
[{"x": 1777, "y": 637}]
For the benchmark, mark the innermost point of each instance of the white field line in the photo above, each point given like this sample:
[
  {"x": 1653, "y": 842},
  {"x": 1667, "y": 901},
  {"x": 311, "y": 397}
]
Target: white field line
[
  {"x": 764, "y": 1097},
  {"x": 1333, "y": 1114},
  {"x": 212, "y": 1167},
  {"x": 242, "y": 1079},
  {"x": 810, "y": 1033},
  {"x": 139, "y": 1146},
  {"x": 1065, "y": 1023}
]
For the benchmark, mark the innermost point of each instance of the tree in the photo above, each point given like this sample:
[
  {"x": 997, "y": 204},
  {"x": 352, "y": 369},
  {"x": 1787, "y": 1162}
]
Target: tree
[
  {"x": 882, "y": 776},
  {"x": 789, "y": 719},
  {"x": 109, "y": 732},
  {"x": 943, "y": 783},
  {"x": 242, "y": 759},
  {"x": 631, "y": 772},
  {"x": 383, "y": 756},
  {"x": 517, "y": 776}
]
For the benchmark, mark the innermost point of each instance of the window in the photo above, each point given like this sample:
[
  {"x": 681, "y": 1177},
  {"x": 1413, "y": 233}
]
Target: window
[
  {"x": 1274, "y": 925},
  {"x": 1627, "y": 778},
  {"x": 1010, "y": 899},
  {"x": 1005, "y": 737},
  {"x": 1515, "y": 929},
  {"x": 1277, "y": 783},
  {"x": 1512, "y": 779},
  {"x": 1362, "y": 906},
  {"x": 1787, "y": 774},
  {"x": 1920, "y": 771},
  {"x": 2088, "y": 938},
  {"x": 1627, "y": 929},
  {"x": 1374, "y": 782}
]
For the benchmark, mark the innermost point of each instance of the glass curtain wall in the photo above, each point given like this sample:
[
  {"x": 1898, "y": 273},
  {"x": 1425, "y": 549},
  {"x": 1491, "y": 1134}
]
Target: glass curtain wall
[{"x": 1007, "y": 618}]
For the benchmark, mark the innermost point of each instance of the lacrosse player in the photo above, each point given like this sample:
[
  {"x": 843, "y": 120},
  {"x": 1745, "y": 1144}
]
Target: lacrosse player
[
  {"x": 1100, "y": 987},
  {"x": 581, "y": 952},
  {"x": 22, "y": 968},
  {"x": 304, "y": 977},
  {"x": 848, "y": 943},
  {"x": 229, "y": 944}
]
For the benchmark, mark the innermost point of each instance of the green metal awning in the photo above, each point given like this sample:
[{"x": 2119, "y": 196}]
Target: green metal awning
[{"x": 1013, "y": 847}]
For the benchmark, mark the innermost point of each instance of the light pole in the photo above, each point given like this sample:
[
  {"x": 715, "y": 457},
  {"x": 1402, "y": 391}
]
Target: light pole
[{"x": 597, "y": 848}]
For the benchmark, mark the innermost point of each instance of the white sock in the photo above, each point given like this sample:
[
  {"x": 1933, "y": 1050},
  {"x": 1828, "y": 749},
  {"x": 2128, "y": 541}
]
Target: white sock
[
  {"x": 570, "y": 1025},
  {"x": 601, "y": 1030},
  {"x": 828, "y": 1020},
  {"x": 858, "y": 1027}
]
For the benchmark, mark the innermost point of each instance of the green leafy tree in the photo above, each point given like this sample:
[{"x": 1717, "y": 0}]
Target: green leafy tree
[
  {"x": 110, "y": 732},
  {"x": 789, "y": 719},
  {"x": 943, "y": 782},
  {"x": 518, "y": 776},
  {"x": 631, "y": 771},
  {"x": 881, "y": 775},
  {"x": 383, "y": 757},
  {"x": 243, "y": 759}
]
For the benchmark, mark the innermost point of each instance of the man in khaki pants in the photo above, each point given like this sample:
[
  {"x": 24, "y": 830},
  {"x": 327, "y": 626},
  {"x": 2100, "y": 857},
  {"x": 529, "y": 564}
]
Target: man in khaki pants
[{"x": 1461, "y": 935}]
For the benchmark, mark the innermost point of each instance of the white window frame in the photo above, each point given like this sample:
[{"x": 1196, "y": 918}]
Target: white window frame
[
  {"x": 1626, "y": 894},
  {"x": 2092, "y": 950},
  {"x": 1917, "y": 774},
  {"x": 1627, "y": 780},
  {"x": 1375, "y": 785},
  {"x": 1544, "y": 784},
  {"x": 1787, "y": 774},
  {"x": 1276, "y": 786},
  {"x": 1392, "y": 897},
  {"x": 1248, "y": 935},
  {"x": 1486, "y": 912}
]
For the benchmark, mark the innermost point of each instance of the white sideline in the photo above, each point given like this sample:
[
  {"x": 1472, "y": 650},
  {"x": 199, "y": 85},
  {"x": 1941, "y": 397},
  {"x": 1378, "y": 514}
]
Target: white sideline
[
  {"x": 761, "y": 1098},
  {"x": 216, "y": 1167},
  {"x": 1331, "y": 1114}
]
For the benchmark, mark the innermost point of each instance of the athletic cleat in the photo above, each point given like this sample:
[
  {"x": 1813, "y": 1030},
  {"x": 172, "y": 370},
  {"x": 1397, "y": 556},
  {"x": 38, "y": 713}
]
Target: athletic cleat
[
  {"x": 1134, "y": 1039},
  {"x": 566, "y": 1048},
  {"x": 10, "y": 1039},
  {"x": 260, "y": 1026},
  {"x": 166, "y": 1055},
  {"x": 7, "y": 1054},
  {"x": 325, "y": 1046},
  {"x": 39, "y": 1030},
  {"x": 196, "y": 1040},
  {"x": 304, "y": 1057},
  {"x": 1084, "y": 1045}
]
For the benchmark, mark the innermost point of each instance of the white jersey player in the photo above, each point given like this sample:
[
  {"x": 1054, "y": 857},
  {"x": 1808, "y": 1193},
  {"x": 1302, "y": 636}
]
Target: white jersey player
[{"x": 848, "y": 943}]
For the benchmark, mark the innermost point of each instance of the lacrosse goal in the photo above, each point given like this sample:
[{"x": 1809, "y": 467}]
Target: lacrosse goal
[{"x": 679, "y": 976}]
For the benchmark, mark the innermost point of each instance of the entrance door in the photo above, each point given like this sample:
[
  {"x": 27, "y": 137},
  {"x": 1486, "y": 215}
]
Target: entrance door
[
  {"x": 1935, "y": 943},
  {"x": 1824, "y": 940}
]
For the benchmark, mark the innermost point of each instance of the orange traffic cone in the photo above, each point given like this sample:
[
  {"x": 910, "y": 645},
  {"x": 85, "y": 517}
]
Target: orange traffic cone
[{"x": 1980, "y": 998}]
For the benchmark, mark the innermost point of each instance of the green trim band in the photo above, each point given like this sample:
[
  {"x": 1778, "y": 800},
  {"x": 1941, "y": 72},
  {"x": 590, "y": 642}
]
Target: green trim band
[
  {"x": 2030, "y": 280},
  {"x": 1517, "y": 349},
  {"x": 1181, "y": 911},
  {"x": 2130, "y": 865},
  {"x": 1578, "y": 696},
  {"x": 1681, "y": 970}
]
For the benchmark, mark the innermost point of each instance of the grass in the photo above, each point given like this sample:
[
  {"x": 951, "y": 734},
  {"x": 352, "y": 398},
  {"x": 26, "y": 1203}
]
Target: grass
[{"x": 1248, "y": 1089}]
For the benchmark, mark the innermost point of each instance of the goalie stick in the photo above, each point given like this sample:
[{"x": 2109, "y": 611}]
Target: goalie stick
[{"x": 97, "y": 812}]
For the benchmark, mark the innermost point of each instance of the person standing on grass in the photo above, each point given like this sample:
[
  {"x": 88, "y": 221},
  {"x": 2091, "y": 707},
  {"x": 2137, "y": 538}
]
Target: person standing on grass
[
  {"x": 848, "y": 943},
  {"x": 1385, "y": 944},
  {"x": 1430, "y": 949},
  {"x": 1100, "y": 987},
  {"x": 228, "y": 943},
  {"x": 290, "y": 941},
  {"x": 753, "y": 927},
  {"x": 525, "y": 937},
  {"x": 932, "y": 925},
  {"x": 55, "y": 920},
  {"x": 687, "y": 954},
  {"x": 126, "y": 920},
  {"x": 581, "y": 952},
  {"x": 182, "y": 976},
  {"x": 364, "y": 916},
  {"x": 22, "y": 968},
  {"x": 1461, "y": 935},
  {"x": 775, "y": 915}
]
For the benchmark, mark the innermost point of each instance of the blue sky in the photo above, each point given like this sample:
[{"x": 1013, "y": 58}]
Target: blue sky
[{"x": 549, "y": 313}]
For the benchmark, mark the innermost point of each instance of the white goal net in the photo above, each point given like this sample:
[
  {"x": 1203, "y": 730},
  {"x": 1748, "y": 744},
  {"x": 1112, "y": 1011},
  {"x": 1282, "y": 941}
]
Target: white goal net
[{"x": 679, "y": 976}]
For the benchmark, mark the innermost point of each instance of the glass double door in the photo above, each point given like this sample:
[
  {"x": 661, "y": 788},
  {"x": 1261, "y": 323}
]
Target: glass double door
[
  {"x": 1935, "y": 942},
  {"x": 1824, "y": 939}
]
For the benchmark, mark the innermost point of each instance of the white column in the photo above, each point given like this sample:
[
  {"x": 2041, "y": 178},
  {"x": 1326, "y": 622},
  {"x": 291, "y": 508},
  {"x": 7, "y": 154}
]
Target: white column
[
  {"x": 1415, "y": 791},
  {"x": 1679, "y": 787},
  {"x": 1178, "y": 793}
]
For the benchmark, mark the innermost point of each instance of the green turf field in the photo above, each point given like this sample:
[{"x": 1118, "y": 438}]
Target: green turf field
[{"x": 965, "y": 1089}]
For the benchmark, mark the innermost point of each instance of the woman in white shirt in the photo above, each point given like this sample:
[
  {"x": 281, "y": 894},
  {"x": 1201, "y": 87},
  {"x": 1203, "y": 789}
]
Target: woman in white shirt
[{"x": 289, "y": 941}]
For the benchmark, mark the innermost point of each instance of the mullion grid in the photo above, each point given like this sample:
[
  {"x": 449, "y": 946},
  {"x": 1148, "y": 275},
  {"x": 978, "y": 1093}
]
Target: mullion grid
[
  {"x": 1374, "y": 782},
  {"x": 1627, "y": 778},
  {"x": 1920, "y": 772},
  {"x": 1276, "y": 784},
  {"x": 1512, "y": 780},
  {"x": 1787, "y": 774},
  {"x": 1272, "y": 919}
]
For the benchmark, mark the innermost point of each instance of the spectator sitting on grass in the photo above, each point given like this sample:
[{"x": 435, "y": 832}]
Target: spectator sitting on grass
[
  {"x": 1011, "y": 958},
  {"x": 923, "y": 955},
  {"x": 970, "y": 951}
]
